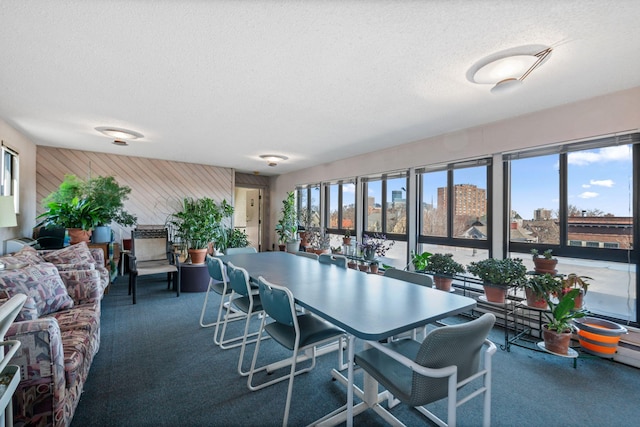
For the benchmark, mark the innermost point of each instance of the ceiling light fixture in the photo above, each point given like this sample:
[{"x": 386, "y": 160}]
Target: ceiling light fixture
[
  {"x": 120, "y": 142},
  {"x": 273, "y": 159},
  {"x": 119, "y": 133},
  {"x": 506, "y": 70}
]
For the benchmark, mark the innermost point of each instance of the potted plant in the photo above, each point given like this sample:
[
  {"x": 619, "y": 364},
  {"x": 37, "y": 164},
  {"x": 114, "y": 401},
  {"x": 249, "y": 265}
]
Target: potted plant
[
  {"x": 336, "y": 249},
  {"x": 363, "y": 266},
  {"x": 443, "y": 267},
  {"x": 105, "y": 193},
  {"x": 419, "y": 261},
  {"x": 376, "y": 244},
  {"x": 346, "y": 239},
  {"x": 538, "y": 287},
  {"x": 498, "y": 275},
  {"x": 200, "y": 223},
  {"x": 556, "y": 333},
  {"x": 232, "y": 238},
  {"x": 544, "y": 263},
  {"x": 78, "y": 216},
  {"x": 373, "y": 266},
  {"x": 573, "y": 281},
  {"x": 319, "y": 241},
  {"x": 287, "y": 226}
]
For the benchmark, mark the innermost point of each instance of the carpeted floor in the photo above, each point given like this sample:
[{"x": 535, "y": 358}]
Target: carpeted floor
[{"x": 157, "y": 367}]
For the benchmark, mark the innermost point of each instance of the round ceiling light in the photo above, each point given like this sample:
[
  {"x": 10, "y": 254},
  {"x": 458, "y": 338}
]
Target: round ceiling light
[
  {"x": 504, "y": 68},
  {"x": 119, "y": 133},
  {"x": 273, "y": 159}
]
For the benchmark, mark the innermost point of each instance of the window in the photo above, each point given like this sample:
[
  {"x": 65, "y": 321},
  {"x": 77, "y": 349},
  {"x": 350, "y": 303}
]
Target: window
[
  {"x": 309, "y": 206},
  {"x": 9, "y": 175},
  {"x": 341, "y": 207},
  {"x": 454, "y": 205}
]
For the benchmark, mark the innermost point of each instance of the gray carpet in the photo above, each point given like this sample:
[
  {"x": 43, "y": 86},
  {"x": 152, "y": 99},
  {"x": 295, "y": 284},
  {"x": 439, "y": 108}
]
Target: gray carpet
[{"x": 157, "y": 367}]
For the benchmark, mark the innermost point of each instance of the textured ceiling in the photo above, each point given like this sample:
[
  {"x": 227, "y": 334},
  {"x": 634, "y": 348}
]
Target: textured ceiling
[{"x": 221, "y": 82}]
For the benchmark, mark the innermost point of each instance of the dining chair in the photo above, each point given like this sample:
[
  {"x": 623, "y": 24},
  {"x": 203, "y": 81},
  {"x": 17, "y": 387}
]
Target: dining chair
[
  {"x": 339, "y": 260},
  {"x": 151, "y": 254},
  {"x": 247, "y": 303},
  {"x": 411, "y": 277},
  {"x": 218, "y": 283},
  {"x": 246, "y": 250},
  {"x": 305, "y": 254},
  {"x": 292, "y": 330},
  {"x": 449, "y": 358}
]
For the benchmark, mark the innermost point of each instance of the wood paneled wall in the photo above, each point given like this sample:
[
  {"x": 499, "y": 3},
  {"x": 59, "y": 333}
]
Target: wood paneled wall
[{"x": 157, "y": 186}]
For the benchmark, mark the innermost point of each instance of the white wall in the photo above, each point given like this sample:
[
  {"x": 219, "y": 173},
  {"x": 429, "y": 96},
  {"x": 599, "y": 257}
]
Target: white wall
[
  {"x": 617, "y": 112},
  {"x": 27, "y": 172}
]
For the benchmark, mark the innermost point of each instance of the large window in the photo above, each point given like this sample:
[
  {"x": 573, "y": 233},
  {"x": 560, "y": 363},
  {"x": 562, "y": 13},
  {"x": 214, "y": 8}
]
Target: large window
[
  {"x": 309, "y": 206},
  {"x": 9, "y": 174},
  {"x": 579, "y": 200},
  {"x": 341, "y": 211}
]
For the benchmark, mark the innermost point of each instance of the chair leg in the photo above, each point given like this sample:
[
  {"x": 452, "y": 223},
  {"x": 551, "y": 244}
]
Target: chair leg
[
  {"x": 176, "y": 279},
  {"x": 133, "y": 278}
]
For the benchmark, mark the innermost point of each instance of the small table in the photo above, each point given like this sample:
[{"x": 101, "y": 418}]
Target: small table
[{"x": 194, "y": 277}]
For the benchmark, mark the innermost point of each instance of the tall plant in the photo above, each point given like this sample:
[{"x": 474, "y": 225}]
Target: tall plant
[
  {"x": 287, "y": 225},
  {"x": 200, "y": 221}
]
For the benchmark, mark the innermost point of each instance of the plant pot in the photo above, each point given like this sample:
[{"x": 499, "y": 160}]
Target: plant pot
[
  {"x": 373, "y": 268},
  {"x": 346, "y": 240},
  {"x": 556, "y": 342},
  {"x": 319, "y": 251},
  {"x": 303, "y": 238},
  {"x": 495, "y": 293},
  {"x": 545, "y": 265},
  {"x": 101, "y": 234},
  {"x": 533, "y": 300},
  {"x": 197, "y": 255},
  {"x": 293, "y": 246},
  {"x": 352, "y": 265},
  {"x": 282, "y": 247},
  {"x": 443, "y": 283},
  {"x": 369, "y": 254},
  {"x": 599, "y": 336},
  {"x": 363, "y": 267},
  {"x": 77, "y": 235}
]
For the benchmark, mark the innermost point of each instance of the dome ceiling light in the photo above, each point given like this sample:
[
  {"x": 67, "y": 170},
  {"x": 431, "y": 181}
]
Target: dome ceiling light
[
  {"x": 119, "y": 133},
  {"x": 273, "y": 159},
  {"x": 507, "y": 70}
]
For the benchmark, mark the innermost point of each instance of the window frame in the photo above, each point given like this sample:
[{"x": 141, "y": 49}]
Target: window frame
[{"x": 10, "y": 177}]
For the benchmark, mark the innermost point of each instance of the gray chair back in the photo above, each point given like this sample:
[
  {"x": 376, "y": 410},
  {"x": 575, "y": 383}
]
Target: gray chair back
[
  {"x": 247, "y": 250},
  {"x": 238, "y": 279},
  {"x": 410, "y": 276},
  {"x": 339, "y": 260},
  {"x": 307, "y": 254},
  {"x": 216, "y": 268},
  {"x": 458, "y": 345}
]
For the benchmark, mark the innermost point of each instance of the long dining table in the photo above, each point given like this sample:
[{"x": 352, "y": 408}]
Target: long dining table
[{"x": 368, "y": 307}]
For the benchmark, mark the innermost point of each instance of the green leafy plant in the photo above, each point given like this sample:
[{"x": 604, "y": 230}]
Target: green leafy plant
[
  {"x": 548, "y": 254},
  {"x": 573, "y": 281},
  {"x": 444, "y": 265},
  {"x": 500, "y": 272},
  {"x": 76, "y": 213},
  {"x": 542, "y": 285},
  {"x": 419, "y": 261},
  {"x": 561, "y": 313},
  {"x": 200, "y": 221},
  {"x": 232, "y": 238},
  {"x": 287, "y": 225}
]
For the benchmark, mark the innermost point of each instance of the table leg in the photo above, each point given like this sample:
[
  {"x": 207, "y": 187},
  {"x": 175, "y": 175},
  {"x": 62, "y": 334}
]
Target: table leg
[{"x": 351, "y": 353}]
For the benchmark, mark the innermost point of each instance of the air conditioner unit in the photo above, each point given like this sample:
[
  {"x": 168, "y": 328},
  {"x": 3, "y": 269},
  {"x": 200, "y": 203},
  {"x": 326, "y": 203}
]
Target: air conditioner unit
[{"x": 15, "y": 244}]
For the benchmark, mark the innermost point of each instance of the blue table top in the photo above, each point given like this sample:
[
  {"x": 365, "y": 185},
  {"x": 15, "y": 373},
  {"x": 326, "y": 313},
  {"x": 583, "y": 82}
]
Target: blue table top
[{"x": 368, "y": 306}]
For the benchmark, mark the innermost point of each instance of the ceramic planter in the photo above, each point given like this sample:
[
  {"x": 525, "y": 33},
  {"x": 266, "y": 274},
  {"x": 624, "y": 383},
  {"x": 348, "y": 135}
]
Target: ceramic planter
[
  {"x": 495, "y": 293},
  {"x": 443, "y": 283},
  {"x": 545, "y": 265},
  {"x": 77, "y": 235},
  {"x": 556, "y": 342},
  {"x": 197, "y": 256},
  {"x": 533, "y": 300}
]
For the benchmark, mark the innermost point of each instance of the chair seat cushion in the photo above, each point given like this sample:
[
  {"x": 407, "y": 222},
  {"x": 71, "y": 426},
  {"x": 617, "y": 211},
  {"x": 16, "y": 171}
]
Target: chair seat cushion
[
  {"x": 154, "y": 267},
  {"x": 381, "y": 367},
  {"x": 312, "y": 330},
  {"x": 242, "y": 303}
]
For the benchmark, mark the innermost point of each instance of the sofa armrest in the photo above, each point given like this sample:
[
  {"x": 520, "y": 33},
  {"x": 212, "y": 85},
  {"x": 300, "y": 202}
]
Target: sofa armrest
[
  {"x": 40, "y": 356},
  {"x": 83, "y": 286}
]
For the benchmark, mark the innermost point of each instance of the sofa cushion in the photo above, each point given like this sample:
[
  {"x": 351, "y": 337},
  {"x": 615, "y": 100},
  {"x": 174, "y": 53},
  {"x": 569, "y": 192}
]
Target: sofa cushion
[
  {"x": 42, "y": 283},
  {"x": 26, "y": 255},
  {"x": 74, "y": 254}
]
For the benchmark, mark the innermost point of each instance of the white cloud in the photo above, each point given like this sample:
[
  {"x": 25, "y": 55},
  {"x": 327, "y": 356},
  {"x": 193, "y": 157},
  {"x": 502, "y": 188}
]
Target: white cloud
[
  {"x": 607, "y": 154},
  {"x": 602, "y": 182},
  {"x": 586, "y": 186},
  {"x": 588, "y": 195}
]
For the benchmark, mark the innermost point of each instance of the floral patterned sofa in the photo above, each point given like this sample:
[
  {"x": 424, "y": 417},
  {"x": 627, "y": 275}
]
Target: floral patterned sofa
[{"x": 58, "y": 326}]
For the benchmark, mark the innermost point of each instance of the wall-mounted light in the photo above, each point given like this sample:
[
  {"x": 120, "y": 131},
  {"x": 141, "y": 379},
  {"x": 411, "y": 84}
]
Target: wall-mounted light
[
  {"x": 273, "y": 159},
  {"x": 119, "y": 133}
]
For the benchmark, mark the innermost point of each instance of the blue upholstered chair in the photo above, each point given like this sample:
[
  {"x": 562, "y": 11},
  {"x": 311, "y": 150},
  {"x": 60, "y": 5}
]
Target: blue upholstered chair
[
  {"x": 339, "y": 260},
  {"x": 449, "y": 358},
  {"x": 409, "y": 276},
  {"x": 292, "y": 330},
  {"x": 304, "y": 254},
  {"x": 247, "y": 304}
]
